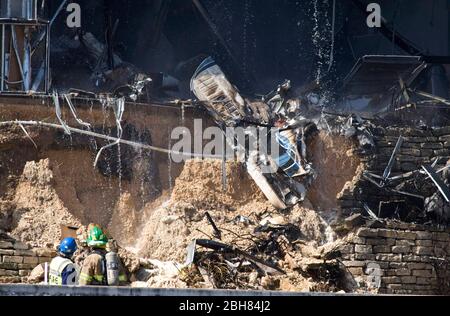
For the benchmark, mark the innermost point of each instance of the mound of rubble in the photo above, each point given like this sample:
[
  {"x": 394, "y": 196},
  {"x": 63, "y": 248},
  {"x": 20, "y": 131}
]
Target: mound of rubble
[
  {"x": 39, "y": 211},
  {"x": 204, "y": 235},
  {"x": 238, "y": 216},
  {"x": 198, "y": 207}
]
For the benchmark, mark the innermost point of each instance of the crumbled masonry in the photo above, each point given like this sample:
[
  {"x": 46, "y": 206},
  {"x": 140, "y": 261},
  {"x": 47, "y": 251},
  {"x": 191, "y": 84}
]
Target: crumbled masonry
[
  {"x": 308, "y": 154},
  {"x": 320, "y": 244}
]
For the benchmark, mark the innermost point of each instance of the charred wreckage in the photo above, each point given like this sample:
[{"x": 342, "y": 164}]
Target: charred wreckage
[
  {"x": 383, "y": 107},
  {"x": 398, "y": 94}
]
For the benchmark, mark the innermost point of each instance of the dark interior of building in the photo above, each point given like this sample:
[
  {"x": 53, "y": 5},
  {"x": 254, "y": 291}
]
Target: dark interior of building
[{"x": 304, "y": 41}]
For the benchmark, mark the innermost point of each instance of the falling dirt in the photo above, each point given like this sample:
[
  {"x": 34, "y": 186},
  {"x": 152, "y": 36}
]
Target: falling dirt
[
  {"x": 335, "y": 163},
  {"x": 90, "y": 196},
  {"x": 124, "y": 219}
]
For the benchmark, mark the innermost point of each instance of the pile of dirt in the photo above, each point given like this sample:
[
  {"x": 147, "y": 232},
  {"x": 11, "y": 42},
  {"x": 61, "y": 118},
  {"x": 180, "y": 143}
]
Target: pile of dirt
[
  {"x": 164, "y": 234},
  {"x": 200, "y": 184},
  {"x": 52, "y": 191},
  {"x": 39, "y": 212},
  {"x": 171, "y": 226},
  {"x": 335, "y": 163}
]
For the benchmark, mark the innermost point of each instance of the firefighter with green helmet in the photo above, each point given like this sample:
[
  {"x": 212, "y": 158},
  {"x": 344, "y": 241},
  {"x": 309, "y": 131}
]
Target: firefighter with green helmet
[{"x": 101, "y": 267}]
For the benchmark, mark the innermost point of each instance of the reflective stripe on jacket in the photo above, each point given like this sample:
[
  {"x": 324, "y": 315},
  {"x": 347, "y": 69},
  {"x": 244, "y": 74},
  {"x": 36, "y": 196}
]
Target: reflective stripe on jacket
[
  {"x": 62, "y": 272},
  {"x": 93, "y": 271}
]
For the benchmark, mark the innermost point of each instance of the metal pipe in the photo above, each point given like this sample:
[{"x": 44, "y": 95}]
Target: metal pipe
[
  {"x": 16, "y": 51},
  {"x": 27, "y": 60},
  {"x": 63, "y": 3},
  {"x": 47, "y": 59},
  {"x": 3, "y": 58},
  {"x": 224, "y": 162},
  {"x": 43, "y": 35},
  {"x": 110, "y": 138},
  {"x": 431, "y": 96},
  {"x": 46, "y": 273}
]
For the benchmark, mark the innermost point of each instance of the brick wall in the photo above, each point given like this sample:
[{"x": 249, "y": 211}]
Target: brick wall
[
  {"x": 17, "y": 259},
  {"x": 419, "y": 147},
  {"x": 400, "y": 258}
]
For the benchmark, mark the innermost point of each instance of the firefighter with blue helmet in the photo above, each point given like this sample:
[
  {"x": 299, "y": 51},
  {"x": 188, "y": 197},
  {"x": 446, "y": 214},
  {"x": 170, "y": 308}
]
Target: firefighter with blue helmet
[{"x": 62, "y": 269}]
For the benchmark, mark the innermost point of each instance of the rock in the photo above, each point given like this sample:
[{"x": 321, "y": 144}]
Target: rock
[
  {"x": 169, "y": 219},
  {"x": 354, "y": 220},
  {"x": 423, "y": 235},
  {"x": 422, "y": 273},
  {"x": 8, "y": 252},
  {"x": 406, "y": 235},
  {"x": 12, "y": 259},
  {"x": 21, "y": 246},
  {"x": 270, "y": 283},
  {"x": 423, "y": 250},
  {"x": 381, "y": 249},
  {"x": 365, "y": 249},
  {"x": 44, "y": 252},
  {"x": 367, "y": 232},
  {"x": 401, "y": 249},
  {"x": 10, "y": 279},
  {"x": 6, "y": 245},
  {"x": 37, "y": 274},
  {"x": 144, "y": 274},
  {"x": 253, "y": 278},
  {"x": 25, "y": 253},
  {"x": 276, "y": 220}
]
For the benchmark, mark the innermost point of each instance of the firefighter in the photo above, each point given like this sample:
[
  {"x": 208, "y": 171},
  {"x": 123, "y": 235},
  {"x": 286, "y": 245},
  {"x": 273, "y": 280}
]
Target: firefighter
[
  {"x": 97, "y": 268},
  {"x": 62, "y": 269}
]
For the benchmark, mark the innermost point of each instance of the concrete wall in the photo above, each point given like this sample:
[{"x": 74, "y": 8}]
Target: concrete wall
[{"x": 45, "y": 290}]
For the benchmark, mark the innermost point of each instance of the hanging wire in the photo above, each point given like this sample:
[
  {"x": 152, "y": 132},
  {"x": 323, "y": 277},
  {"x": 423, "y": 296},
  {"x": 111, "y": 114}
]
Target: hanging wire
[{"x": 332, "y": 36}]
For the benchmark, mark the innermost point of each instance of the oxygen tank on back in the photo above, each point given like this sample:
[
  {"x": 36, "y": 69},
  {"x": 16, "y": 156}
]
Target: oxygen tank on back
[{"x": 112, "y": 268}]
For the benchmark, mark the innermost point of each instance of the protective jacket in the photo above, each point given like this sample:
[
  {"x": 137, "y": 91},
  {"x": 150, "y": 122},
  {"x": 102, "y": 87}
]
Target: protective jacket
[
  {"x": 93, "y": 271},
  {"x": 62, "y": 272}
]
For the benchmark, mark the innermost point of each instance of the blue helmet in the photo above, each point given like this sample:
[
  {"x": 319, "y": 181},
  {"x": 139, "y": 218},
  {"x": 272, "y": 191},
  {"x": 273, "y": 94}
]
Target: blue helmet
[{"x": 68, "y": 246}]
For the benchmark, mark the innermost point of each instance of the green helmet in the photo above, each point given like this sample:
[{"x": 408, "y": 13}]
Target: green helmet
[{"x": 96, "y": 238}]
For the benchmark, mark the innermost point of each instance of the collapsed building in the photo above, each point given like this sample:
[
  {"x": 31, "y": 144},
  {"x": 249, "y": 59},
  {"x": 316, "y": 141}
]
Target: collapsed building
[{"x": 357, "y": 195}]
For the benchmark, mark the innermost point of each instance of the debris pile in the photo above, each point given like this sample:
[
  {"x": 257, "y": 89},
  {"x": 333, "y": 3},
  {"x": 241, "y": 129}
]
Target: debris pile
[
  {"x": 235, "y": 238},
  {"x": 38, "y": 210},
  {"x": 336, "y": 161},
  {"x": 309, "y": 199},
  {"x": 405, "y": 178}
]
